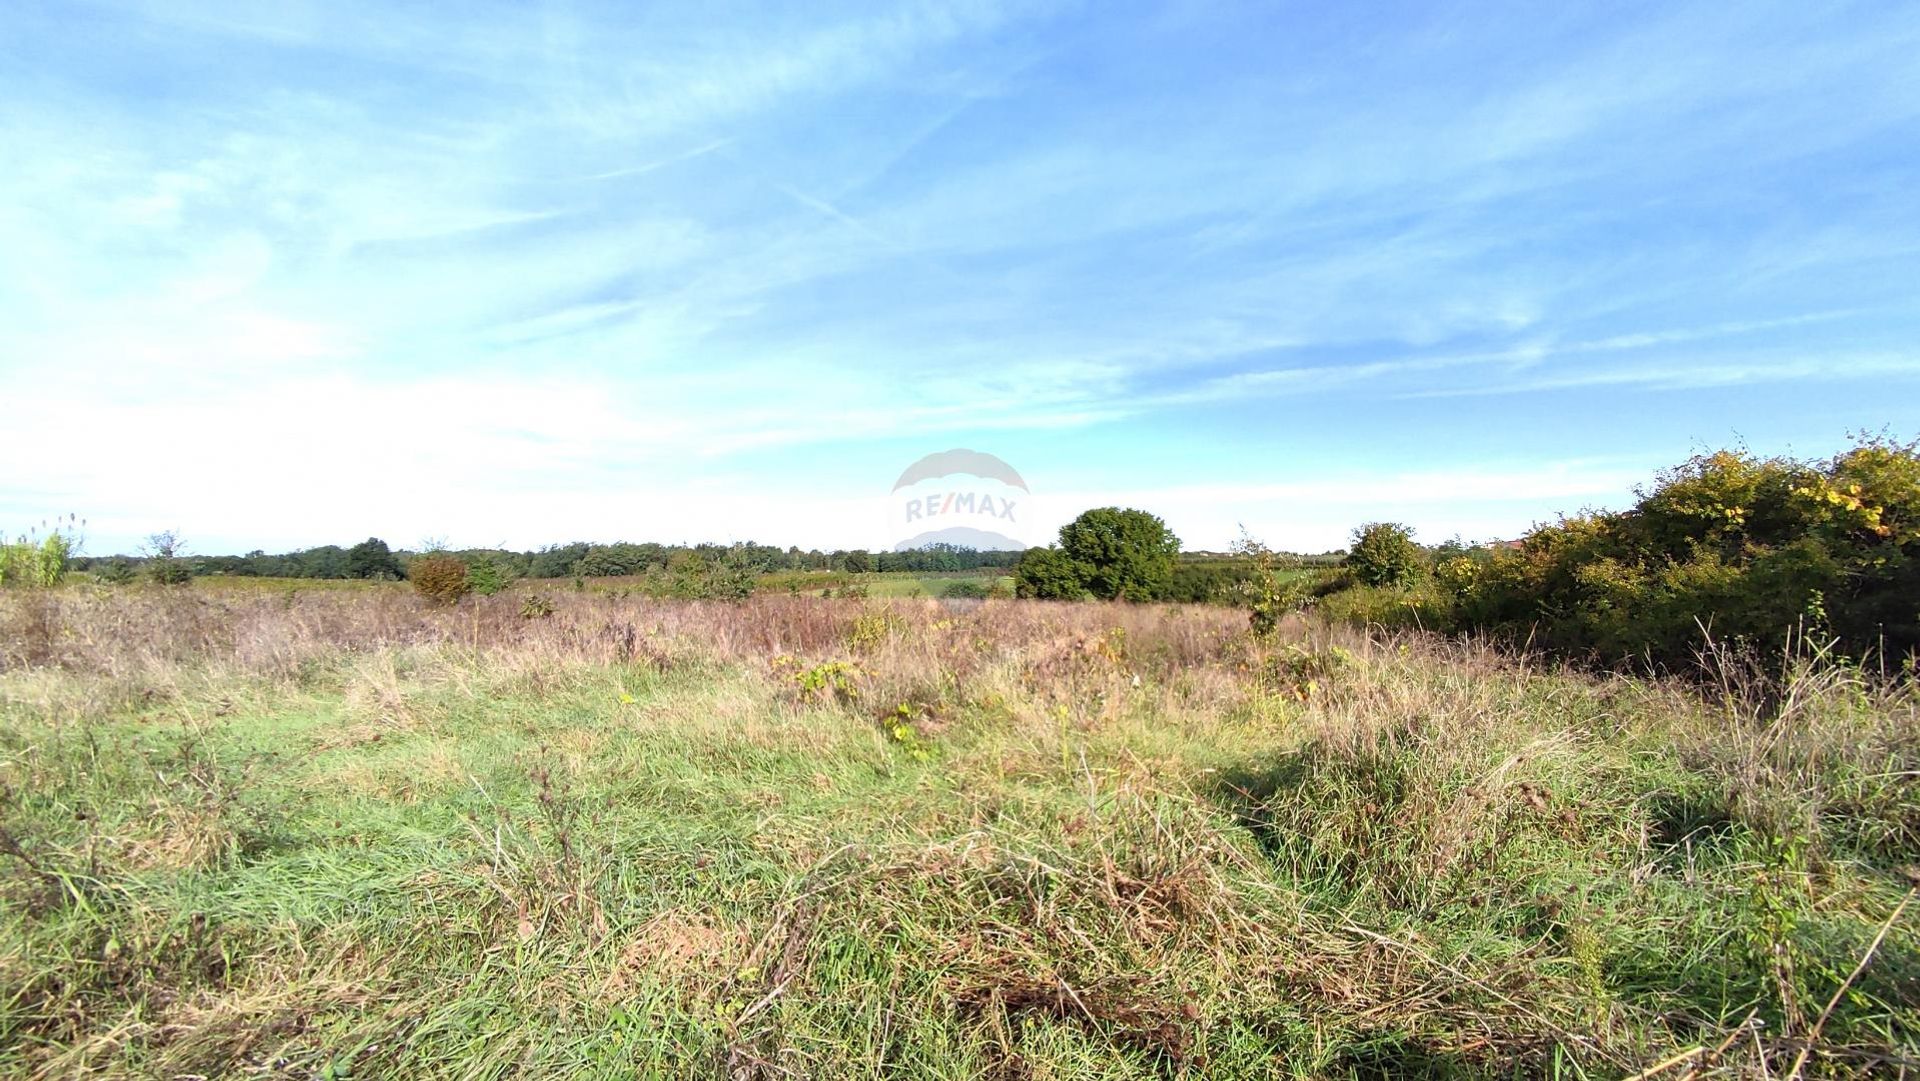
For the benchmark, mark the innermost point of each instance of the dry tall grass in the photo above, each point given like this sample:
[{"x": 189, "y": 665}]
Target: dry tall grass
[{"x": 352, "y": 832}]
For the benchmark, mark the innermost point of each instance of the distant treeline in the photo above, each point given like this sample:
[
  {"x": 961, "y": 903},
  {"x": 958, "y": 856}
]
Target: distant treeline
[
  {"x": 373, "y": 559},
  {"x": 1199, "y": 576}
]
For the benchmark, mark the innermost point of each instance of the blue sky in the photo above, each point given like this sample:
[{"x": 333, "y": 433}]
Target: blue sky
[{"x": 285, "y": 274}]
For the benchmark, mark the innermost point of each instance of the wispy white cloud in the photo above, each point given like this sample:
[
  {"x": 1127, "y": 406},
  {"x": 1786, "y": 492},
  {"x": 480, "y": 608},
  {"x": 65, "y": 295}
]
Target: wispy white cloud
[
  {"x": 627, "y": 172},
  {"x": 1510, "y": 365},
  {"x": 612, "y": 242},
  {"x": 1702, "y": 373}
]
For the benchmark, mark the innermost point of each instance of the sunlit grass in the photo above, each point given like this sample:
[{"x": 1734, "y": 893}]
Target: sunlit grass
[{"x": 343, "y": 834}]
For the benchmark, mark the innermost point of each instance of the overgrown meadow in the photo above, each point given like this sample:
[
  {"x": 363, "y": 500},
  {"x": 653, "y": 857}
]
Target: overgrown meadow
[{"x": 345, "y": 833}]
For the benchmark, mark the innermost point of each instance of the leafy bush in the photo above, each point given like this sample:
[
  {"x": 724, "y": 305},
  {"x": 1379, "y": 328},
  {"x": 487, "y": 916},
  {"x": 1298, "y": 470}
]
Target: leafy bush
[
  {"x": 1742, "y": 548},
  {"x": 1457, "y": 574},
  {"x": 1384, "y": 554},
  {"x": 1420, "y": 607},
  {"x": 966, "y": 589},
  {"x": 440, "y": 578}
]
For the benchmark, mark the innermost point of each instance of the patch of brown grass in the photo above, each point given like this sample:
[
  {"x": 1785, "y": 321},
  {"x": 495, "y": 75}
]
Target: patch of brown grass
[{"x": 694, "y": 951}]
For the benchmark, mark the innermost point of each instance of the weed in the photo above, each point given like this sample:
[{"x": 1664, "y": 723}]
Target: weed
[
  {"x": 874, "y": 628},
  {"x": 901, "y": 727},
  {"x": 1304, "y": 673},
  {"x": 834, "y": 681}
]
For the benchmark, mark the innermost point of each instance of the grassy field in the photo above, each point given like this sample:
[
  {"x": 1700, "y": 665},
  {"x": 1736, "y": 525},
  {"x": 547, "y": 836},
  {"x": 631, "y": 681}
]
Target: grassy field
[
  {"x": 810, "y": 583},
  {"x": 336, "y": 833},
  {"x": 883, "y": 583}
]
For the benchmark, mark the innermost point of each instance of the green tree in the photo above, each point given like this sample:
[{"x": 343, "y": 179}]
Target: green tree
[
  {"x": 166, "y": 562},
  {"x": 488, "y": 573},
  {"x": 1384, "y": 554},
  {"x": 1047, "y": 574},
  {"x": 371, "y": 558},
  {"x": 608, "y": 561},
  {"x": 733, "y": 574},
  {"x": 1121, "y": 553},
  {"x": 557, "y": 561},
  {"x": 857, "y": 562},
  {"x": 328, "y": 561}
]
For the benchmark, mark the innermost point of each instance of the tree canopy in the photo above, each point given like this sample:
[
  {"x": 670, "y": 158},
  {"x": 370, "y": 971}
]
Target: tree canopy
[
  {"x": 371, "y": 558},
  {"x": 1112, "y": 553}
]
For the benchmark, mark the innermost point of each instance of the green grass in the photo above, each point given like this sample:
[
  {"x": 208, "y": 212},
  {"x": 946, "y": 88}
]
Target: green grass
[
  {"x": 1113, "y": 843},
  {"x": 880, "y": 583}
]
